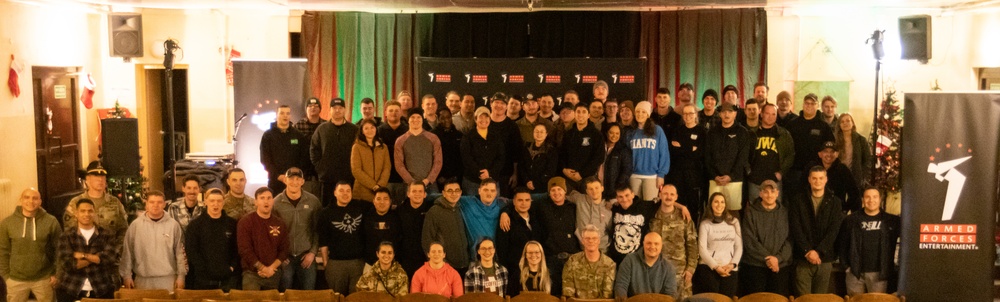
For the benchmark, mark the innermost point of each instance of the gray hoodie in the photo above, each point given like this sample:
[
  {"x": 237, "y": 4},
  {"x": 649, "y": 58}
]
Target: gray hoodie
[
  {"x": 154, "y": 248},
  {"x": 765, "y": 233},
  {"x": 28, "y": 245},
  {"x": 444, "y": 223}
]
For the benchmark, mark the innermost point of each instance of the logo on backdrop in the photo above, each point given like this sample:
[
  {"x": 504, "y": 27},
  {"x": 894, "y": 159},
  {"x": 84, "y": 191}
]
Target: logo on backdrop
[
  {"x": 949, "y": 236},
  {"x": 440, "y": 78}
]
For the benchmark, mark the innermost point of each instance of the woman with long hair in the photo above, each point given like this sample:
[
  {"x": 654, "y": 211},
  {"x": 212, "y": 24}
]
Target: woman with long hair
[
  {"x": 534, "y": 272},
  {"x": 539, "y": 161},
  {"x": 720, "y": 245},
  {"x": 650, "y": 154},
  {"x": 618, "y": 162},
  {"x": 369, "y": 162},
  {"x": 855, "y": 151},
  {"x": 486, "y": 275}
]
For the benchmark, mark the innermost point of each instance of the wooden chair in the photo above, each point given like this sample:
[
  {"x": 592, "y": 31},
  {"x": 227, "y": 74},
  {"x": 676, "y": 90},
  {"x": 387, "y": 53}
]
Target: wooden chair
[
  {"x": 819, "y": 298},
  {"x": 714, "y": 297},
  {"x": 254, "y": 295},
  {"x": 213, "y": 300},
  {"x": 874, "y": 297},
  {"x": 528, "y": 296},
  {"x": 139, "y": 294},
  {"x": 369, "y": 297},
  {"x": 763, "y": 297},
  {"x": 589, "y": 300},
  {"x": 215, "y": 294},
  {"x": 105, "y": 300},
  {"x": 650, "y": 298},
  {"x": 170, "y": 300},
  {"x": 479, "y": 297},
  {"x": 423, "y": 297},
  {"x": 319, "y": 295}
]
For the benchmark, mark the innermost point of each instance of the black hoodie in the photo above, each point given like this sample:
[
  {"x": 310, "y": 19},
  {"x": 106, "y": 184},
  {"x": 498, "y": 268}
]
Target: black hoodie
[{"x": 280, "y": 150}]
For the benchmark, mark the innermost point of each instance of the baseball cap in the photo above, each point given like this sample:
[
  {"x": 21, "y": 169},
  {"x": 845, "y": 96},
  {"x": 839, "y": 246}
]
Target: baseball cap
[
  {"x": 482, "y": 110},
  {"x": 293, "y": 172},
  {"x": 566, "y": 106},
  {"x": 829, "y": 145},
  {"x": 312, "y": 101},
  {"x": 768, "y": 183},
  {"x": 337, "y": 102}
]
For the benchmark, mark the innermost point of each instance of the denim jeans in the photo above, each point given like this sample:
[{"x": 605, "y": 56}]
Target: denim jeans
[{"x": 296, "y": 277}]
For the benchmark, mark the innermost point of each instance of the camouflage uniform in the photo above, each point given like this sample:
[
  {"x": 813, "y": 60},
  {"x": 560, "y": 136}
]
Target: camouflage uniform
[
  {"x": 585, "y": 280},
  {"x": 393, "y": 282},
  {"x": 680, "y": 245},
  {"x": 109, "y": 214},
  {"x": 237, "y": 207}
]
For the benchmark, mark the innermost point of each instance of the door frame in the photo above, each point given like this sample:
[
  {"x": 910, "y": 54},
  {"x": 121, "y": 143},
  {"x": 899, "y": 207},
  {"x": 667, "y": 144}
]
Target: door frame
[
  {"x": 54, "y": 203},
  {"x": 150, "y": 133}
]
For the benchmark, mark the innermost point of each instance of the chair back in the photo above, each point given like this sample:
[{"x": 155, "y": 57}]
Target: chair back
[
  {"x": 874, "y": 297},
  {"x": 589, "y": 300},
  {"x": 528, "y": 296},
  {"x": 139, "y": 294},
  {"x": 319, "y": 295},
  {"x": 650, "y": 298},
  {"x": 819, "y": 298},
  {"x": 105, "y": 300},
  {"x": 369, "y": 297},
  {"x": 763, "y": 297},
  {"x": 199, "y": 294},
  {"x": 423, "y": 297},
  {"x": 716, "y": 297},
  {"x": 254, "y": 295},
  {"x": 479, "y": 297},
  {"x": 170, "y": 300}
]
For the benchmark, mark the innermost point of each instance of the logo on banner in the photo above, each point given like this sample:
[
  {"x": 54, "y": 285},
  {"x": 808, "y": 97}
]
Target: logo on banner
[
  {"x": 476, "y": 78},
  {"x": 948, "y": 236},
  {"x": 515, "y": 78},
  {"x": 589, "y": 79},
  {"x": 440, "y": 78},
  {"x": 624, "y": 79},
  {"x": 552, "y": 79}
]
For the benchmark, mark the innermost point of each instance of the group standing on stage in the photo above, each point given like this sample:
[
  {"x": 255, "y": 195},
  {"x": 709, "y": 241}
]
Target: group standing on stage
[{"x": 602, "y": 199}]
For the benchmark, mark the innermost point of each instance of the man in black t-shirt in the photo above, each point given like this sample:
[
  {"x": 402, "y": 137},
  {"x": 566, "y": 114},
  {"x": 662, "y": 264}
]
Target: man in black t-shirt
[
  {"x": 869, "y": 246},
  {"x": 341, "y": 239}
]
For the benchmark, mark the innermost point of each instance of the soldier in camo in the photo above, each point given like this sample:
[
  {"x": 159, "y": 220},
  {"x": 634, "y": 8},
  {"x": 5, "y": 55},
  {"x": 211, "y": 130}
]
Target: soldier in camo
[
  {"x": 236, "y": 204},
  {"x": 109, "y": 213},
  {"x": 387, "y": 275},
  {"x": 680, "y": 241},
  {"x": 589, "y": 274}
]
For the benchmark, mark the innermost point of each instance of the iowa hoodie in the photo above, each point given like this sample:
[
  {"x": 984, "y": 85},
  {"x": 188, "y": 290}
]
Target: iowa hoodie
[{"x": 28, "y": 245}]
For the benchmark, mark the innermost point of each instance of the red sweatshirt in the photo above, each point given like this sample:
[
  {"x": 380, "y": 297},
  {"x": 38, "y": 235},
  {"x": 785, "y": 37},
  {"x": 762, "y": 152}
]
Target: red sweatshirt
[{"x": 261, "y": 240}]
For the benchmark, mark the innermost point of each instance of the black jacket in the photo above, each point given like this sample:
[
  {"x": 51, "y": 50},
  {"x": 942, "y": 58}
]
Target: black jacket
[
  {"x": 211, "y": 250},
  {"x": 809, "y": 136},
  {"x": 582, "y": 150},
  {"x": 687, "y": 162},
  {"x": 812, "y": 231},
  {"x": 483, "y": 153},
  {"x": 850, "y": 242},
  {"x": 330, "y": 151},
  {"x": 617, "y": 168},
  {"x": 728, "y": 152},
  {"x": 280, "y": 150},
  {"x": 451, "y": 149},
  {"x": 509, "y": 245},
  {"x": 840, "y": 182},
  {"x": 540, "y": 168}
]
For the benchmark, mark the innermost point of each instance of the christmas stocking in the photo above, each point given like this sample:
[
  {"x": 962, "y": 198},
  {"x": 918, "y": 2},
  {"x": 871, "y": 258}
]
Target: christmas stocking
[
  {"x": 87, "y": 95},
  {"x": 15, "y": 70}
]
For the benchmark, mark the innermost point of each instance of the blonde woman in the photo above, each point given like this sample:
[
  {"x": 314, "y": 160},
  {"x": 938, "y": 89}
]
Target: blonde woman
[{"x": 534, "y": 272}]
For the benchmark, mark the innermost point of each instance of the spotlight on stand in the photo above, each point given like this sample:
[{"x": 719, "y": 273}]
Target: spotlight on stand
[
  {"x": 876, "y": 41},
  {"x": 169, "y": 46}
]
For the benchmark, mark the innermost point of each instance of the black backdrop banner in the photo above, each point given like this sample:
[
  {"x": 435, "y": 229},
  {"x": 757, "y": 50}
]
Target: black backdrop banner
[
  {"x": 626, "y": 77},
  {"x": 259, "y": 87},
  {"x": 949, "y": 196}
]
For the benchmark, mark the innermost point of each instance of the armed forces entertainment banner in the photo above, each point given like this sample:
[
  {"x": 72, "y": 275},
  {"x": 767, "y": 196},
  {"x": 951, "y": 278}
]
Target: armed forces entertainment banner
[
  {"x": 626, "y": 78},
  {"x": 949, "y": 190}
]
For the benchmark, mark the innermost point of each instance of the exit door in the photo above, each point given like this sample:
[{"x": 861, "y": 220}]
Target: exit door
[{"x": 57, "y": 136}]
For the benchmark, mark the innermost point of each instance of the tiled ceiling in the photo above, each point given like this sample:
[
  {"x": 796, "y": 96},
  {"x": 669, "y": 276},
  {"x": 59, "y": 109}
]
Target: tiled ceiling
[{"x": 522, "y": 5}]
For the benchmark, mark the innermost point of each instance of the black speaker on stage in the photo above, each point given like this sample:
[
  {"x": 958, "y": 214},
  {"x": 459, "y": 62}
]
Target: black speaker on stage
[
  {"x": 120, "y": 141},
  {"x": 915, "y": 37},
  {"x": 125, "y": 33}
]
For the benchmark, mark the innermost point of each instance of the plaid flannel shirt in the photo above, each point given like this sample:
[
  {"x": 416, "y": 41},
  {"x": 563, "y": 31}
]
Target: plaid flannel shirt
[
  {"x": 475, "y": 278},
  {"x": 101, "y": 275}
]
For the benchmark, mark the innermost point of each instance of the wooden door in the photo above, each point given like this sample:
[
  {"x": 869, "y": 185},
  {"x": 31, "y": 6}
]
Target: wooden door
[{"x": 57, "y": 135}]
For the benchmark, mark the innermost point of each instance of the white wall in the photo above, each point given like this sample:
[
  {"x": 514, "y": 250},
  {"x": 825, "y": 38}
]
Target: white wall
[{"x": 955, "y": 41}]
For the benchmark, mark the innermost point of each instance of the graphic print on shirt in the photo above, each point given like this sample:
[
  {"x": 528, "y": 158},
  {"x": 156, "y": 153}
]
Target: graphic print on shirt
[
  {"x": 348, "y": 224},
  {"x": 628, "y": 232},
  {"x": 275, "y": 230},
  {"x": 874, "y": 225}
]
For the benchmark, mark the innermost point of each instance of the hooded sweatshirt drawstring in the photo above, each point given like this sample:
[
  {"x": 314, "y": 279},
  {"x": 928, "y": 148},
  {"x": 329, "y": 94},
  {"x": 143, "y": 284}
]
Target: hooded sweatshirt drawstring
[{"x": 34, "y": 229}]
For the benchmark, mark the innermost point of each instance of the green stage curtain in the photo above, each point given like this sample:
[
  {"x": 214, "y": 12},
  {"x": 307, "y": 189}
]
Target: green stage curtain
[{"x": 707, "y": 48}]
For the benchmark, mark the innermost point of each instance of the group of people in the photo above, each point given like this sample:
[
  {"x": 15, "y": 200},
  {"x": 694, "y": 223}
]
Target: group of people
[{"x": 587, "y": 200}]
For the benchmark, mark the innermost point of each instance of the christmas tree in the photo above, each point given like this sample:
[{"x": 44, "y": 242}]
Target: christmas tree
[{"x": 886, "y": 132}]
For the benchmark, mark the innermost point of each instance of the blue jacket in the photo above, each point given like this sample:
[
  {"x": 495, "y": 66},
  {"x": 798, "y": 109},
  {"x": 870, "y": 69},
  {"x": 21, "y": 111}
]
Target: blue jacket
[
  {"x": 650, "y": 155},
  {"x": 481, "y": 220}
]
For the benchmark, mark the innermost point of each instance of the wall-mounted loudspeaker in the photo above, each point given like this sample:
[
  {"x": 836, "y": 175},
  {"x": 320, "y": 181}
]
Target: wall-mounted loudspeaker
[
  {"x": 120, "y": 146},
  {"x": 125, "y": 30},
  {"x": 915, "y": 37}
]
